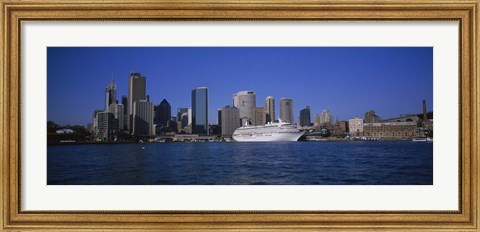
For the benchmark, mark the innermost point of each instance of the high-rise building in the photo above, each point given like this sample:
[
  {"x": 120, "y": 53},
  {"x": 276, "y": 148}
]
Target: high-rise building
[
  {"x": 270, "y": 109},
  {"x": 136, "y": 92},
  {"x": 105, "y": 126},
  {"x": 326, "y": 117},
  {"x": 305, "y": 116},
  {"x": 260, "y": 118},
  {"x": 126, "y": 117},
  {"x": 189, "y": 115},
  {"x": 180, "y": 113},
  {"x": 163, "y": 112},
  {"x": 371, "y": 117},
  {"x": 110, "y": 97},
  {"x": 143, "y": 115},
  {"x": 245, "y": 101},
  {"x": 219, "y": 117},
  {"x": 355, "y": 126},
  {"x": 183, "y": 122},
  {"x": 120, "y": 116},
  {"x": 286, "y": 110},
  {"x": 200, "y": 110},
  {"x": 95, "y": 122},
  {"x": 230, "y": 120}
]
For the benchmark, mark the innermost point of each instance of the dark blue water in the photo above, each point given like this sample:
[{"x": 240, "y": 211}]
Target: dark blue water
[{"x": 289, "y": 163}]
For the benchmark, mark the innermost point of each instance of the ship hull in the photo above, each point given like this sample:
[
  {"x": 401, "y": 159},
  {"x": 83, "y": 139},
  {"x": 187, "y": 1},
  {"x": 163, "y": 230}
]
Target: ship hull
[{"x": 270, "y": 137}]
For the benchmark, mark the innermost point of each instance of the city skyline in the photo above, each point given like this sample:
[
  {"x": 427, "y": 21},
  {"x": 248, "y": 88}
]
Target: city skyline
[{"x": 346, "y": 81}]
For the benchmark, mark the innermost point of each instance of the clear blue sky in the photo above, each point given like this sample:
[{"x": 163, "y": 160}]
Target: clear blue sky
[{"x": 348, "y": 81}]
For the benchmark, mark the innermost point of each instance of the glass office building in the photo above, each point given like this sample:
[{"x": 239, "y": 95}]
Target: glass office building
[{"x": 200, "y": 110}]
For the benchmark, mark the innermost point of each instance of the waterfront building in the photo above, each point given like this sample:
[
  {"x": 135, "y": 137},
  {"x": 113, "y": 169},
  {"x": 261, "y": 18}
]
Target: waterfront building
[
  {"x": 189, "y": 115},
  {"x": 110, "y": 97},
  {"x": 270, "y": 109},
  {"x": 126, "y": 117},
  {"x": 219, "y": 117},
  {"x": 180, "y": 113},
  {"x": 305, "y": 117},
  {"x": 105, "y": 126},
  {"x": 230, "y": 120},
  {"x": 371, "y": 117},
  {"x": 286, "y": 110},
  {"x": 245, "y": 101},
  {"x": 136, "y": 92},
  {"x": 183, "y": 122},
  {"x": 326, "y": 117},
  {"x": 355, "y": 126},
  {"x": 397, "y": 130},
  {"x": 95, "y": 122},
  {"x": 163, "y": 112},
  {"x": 120, "y": 116},
  {"x": 200, "y": 110},
  {"x": 341, "y": 127},
  {"x": 260, "y": 116},
  {"x": 143, "y": 114}
]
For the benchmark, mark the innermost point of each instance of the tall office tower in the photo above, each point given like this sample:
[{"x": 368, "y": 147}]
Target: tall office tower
[
  {"x": 136, "y": 92},
  {"x": 270, "y": 109},
  {"x": 183, "y": 122},
  {"x": 126, "y": 117},
  {"x": 286, "y": 110},
  {"x": 200, "y": 110},
  {"x": 180, "y": 113},
  {"x": 326, "y": 117},
  {"x": 95, "y": 122},
  {"x": 163, "y": 112},
  {"x": 190, "y": 115},
  {"x": 219, "y": 117},
  {"x": 245, "y": 101},
  {"x": 105, "y": 126},
  {"x": 260, "y": 116},
  {"x": 305, "y": 116},
  {"x": 110, "y": 97},
  {"x": 120, "y": 116},
  {"x": 143, "y": 115},
  {"x": 371, "y": 117},
  {"x": 230, "y": 120}
]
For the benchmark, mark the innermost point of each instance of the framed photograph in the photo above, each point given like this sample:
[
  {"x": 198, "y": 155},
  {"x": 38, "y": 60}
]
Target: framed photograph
[{"x": 256, "y": 115}]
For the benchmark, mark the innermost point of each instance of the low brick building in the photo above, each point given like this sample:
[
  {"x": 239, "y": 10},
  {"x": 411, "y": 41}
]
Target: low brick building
[{"x": 390, "y": 129}]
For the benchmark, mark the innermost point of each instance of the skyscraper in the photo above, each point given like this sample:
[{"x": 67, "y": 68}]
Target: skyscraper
[
  {"x": 270, "y": 109},
  {"x": 219, "y": 117},
  {"x": 200, "y": 110},
  {"x": 126, "y": 117},
  {"x": 245, "y": 101},
  {"x": 163, "y": 112},
  {"x": 326, "y": 117},
  {"x": 260, "y": 116},
  {"x": 305, "y": 116},
  {"x": 119, "y": 116},
  {"x": 230, "y": 120},
  {"x": 190, "y": 114},
  {"x": 105, "y": 126},
  {"x": 110, "y": 97},
  {"x": 286, "y": 110},
  {"x": 136, "y": 92},
  {"x": 143, "y": 115},
  {"x": 181, "y": 112}
]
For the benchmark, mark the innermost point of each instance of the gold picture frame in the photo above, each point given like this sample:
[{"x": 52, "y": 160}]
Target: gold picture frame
[{"x": 14, "y": 12}]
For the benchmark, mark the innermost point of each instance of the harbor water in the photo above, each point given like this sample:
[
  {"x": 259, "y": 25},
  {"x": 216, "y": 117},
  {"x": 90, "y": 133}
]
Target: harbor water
[{"x": 234, "y": 163}]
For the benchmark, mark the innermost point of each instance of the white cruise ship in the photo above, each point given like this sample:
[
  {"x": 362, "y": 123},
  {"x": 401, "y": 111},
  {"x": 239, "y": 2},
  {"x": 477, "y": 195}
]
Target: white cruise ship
[{"x": 270, "y": 132}]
